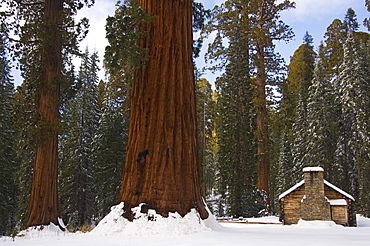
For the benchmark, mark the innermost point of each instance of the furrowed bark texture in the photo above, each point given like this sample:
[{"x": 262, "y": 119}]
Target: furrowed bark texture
[
  {"x": 162, "y": 168},
  {"x": 44, "y": 204}
]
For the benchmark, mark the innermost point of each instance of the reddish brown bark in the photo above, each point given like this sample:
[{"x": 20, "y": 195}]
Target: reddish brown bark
[
  {"x": 162, "y": 168},
  {"x": 44, "y": 206},
  {"x": 263, "y": 138},
  {"x": 261, "y": 106}
]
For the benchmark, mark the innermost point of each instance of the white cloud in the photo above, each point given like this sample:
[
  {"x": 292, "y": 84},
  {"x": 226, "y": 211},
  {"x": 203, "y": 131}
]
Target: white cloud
[
  {"x": 210, "y": 3},
  {"x": 95, "y": 39},
  {"x": 313, "y": 10}
]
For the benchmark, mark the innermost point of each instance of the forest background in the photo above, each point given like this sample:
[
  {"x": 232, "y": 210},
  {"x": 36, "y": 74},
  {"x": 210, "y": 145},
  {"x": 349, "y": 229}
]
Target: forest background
[{"x": 317, "y": 115}]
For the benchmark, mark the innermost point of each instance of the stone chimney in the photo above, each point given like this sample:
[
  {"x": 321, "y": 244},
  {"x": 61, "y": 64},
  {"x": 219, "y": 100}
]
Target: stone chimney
[{"x": 314, "y": 205}]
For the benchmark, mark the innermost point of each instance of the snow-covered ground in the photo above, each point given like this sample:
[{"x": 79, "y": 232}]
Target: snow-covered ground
[{"x": 306, "y": 233}]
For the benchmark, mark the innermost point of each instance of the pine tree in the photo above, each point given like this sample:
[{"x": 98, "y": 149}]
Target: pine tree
[
  {"x": 24, "y": 122},
  {"x": 285, "y": 167},
  {"x": 109, "y": 150},
  {"x": 237, "y": 143},
  {"x": 206, "y": 126},
  {"x": 331, "y": 52},
  {"x": 80, "y": 117},
  {"x": 350, "y": 21},
  {"x": 300, "y": 72},
  {"x": 352, "y": 85},
  {"x": 363, "y": 129},
  {"x": 235, "y": 125},
  {"x": 292, "y": 116},
  {"x": 366, "y": 20},
  {"x": 277, "y": 128},
  {"x": 322, "y": 131},
  {"x": 7, "y": 143},
  {"x": 300, "y": 133}
]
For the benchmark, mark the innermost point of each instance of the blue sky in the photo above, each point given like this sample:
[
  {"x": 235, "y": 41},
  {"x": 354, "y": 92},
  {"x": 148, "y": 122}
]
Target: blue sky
[{"x": 313, "y": 16}]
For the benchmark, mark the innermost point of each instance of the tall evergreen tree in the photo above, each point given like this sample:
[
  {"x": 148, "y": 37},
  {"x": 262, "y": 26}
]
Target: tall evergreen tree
[
  {"x": 266, "y": 29},
  {"x": 48, "y": 35},
  {"x": 293, "y": 110},
  {"x": 331, "y": 52},
  {"x": 352, "y": 85},
  {"x": 300, "y": 133},
  {"x": 350, "y": 21},
  {"x": 109, "y": 149},
  {"x": 322, "y": 117},
  {"x": 363, "y": 128},
  {"x": 236, "y": 122},
  {"x": 300, "y": 72},
  {"x": 236, "y": 139},
  {"x": 282, "y": 120},
  {"x": 261, "y": 27},
  {"x": 44, "y": 206},
  {"x": 7, "y": 143},
  {"x": 206, "y": 126},
  {"x": 24, "y": 122},
  {"x": 285, "y": 167},
  {"x": 80, "y": 117},
  {"x": 277, "y": 128},
  {"x": 122, "y": 56},
  {"x": 366, "y": 20}
]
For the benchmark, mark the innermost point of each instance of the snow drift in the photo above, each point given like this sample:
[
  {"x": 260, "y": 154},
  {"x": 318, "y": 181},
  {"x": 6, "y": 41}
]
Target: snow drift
[
  {"x": 42, "y": 231},
  {"x": 152, "y": 223}
]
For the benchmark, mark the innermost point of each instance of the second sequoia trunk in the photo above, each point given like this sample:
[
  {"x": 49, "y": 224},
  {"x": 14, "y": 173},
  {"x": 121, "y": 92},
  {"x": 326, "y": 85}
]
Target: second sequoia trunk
[{"x": 44, "y": 204}]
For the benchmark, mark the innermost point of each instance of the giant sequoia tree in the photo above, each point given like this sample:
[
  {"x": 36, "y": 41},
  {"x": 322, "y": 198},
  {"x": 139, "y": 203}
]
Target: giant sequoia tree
[
  {"x": 162, "y": 168},
  {"x": 259, "y": 26},
  {"x": 266, "y": 29},
  {"x": 47, "y": 35},
  {"x": 44, "y": 207}
]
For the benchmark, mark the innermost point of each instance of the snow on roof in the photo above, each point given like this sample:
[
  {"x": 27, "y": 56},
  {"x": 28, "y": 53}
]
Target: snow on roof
[
  {"x": 313, "y": 169},
  {"x": 325, "y": 182},
  {"x": 291, "y": 189},
  {"x": 338, "y": 202},
  {"x": 339, "y": 190}
]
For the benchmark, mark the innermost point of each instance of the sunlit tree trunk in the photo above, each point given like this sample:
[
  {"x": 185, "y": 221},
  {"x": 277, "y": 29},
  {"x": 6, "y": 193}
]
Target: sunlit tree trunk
[
  {"x": 162, "y": 166},
  {"x": 44, "y": 207}
]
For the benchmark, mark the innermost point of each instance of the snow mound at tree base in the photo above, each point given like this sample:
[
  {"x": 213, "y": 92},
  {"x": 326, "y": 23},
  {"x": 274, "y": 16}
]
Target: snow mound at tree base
[
  {"x": 150, "y": 223},
  {"x": 51, "y": 230}
]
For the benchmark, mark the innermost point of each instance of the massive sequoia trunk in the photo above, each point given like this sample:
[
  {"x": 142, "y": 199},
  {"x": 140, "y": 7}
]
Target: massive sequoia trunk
[
  {"x": 44, "y": 206},
  {"x": 162, "y": 168}
]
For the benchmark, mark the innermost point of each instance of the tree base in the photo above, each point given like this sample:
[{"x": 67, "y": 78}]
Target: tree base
[
  {"x": 151, "y": 223},
  {"x": 43, "y": 230}
]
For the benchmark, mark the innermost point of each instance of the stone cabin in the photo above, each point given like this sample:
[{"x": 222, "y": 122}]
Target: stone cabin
[{"x": 316, "y": 199}]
